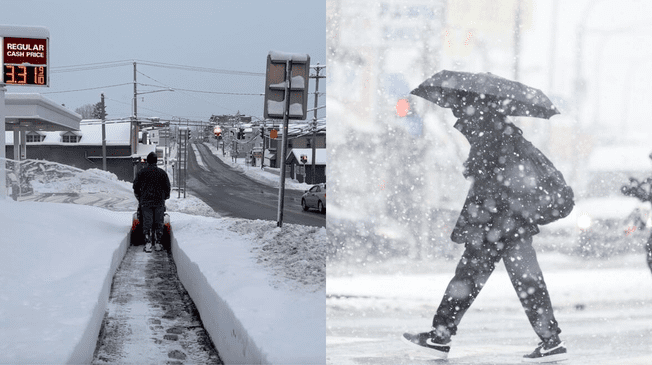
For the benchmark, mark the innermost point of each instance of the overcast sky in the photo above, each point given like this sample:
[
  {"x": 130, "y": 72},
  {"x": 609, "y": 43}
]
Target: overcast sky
[{"x": 220, "y": 35}]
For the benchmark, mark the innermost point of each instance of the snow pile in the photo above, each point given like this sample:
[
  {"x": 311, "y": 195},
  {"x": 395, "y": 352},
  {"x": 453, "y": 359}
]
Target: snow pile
[
  {"x": 56, "y": 270},
  {"x": 296, "y": 253},
  {"x": 253, "y": 315},
  {"x": 45, "y": 177},
  {"x": 46, "y": 181},
  {"x": 189, "y": 205}
]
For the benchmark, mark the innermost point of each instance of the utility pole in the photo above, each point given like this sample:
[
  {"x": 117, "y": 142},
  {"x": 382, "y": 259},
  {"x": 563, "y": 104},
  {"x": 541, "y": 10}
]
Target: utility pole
[
  {"x": 517, "y": 40},
  {"x": 103, "y": 133},
  {"x": 314, "y": 119},
  {"x": 134, "y": 123},
  {"x": 3, "y": 172},
  {"x": 262, "y": 135}
]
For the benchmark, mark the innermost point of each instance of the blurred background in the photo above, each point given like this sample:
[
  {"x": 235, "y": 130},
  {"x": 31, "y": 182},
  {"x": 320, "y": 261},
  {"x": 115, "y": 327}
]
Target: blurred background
[{"x": 395, "y": 161}]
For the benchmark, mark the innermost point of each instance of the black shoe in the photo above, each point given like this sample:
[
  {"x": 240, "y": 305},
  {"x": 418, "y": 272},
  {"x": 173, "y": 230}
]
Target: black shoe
[
  {"x": 429, "y": 343},
  {"x": 547, "y": 353}
]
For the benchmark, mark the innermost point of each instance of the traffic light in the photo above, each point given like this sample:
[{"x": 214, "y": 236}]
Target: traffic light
[
  {"x": 276, "y": 82},
  {"x": 240, "y": 133},
  {"x": 217, "y": 131},
  {"x": 410, "y": 118},
  {"x": 403, "y": 108}
]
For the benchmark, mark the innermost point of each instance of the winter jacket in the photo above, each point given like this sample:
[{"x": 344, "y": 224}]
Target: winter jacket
[
  {"x": 492, "y": 211},
  {"x": 152, "y": 186}
]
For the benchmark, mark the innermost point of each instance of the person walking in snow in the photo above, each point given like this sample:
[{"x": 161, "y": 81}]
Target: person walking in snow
[
  {"x": 152, "y": 188},
  {"x": 492, "y": 227}
]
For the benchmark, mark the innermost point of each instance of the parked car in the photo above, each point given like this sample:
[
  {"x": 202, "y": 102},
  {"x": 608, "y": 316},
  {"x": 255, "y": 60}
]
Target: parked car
[{"x": 315, "y": 198}]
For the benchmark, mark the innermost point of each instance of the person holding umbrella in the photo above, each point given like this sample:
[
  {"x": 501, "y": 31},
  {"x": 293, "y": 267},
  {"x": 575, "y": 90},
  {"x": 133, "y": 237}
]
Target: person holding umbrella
[{"x": 496, "y": 221}]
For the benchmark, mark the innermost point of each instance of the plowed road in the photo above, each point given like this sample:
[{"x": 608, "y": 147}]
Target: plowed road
[{"x": 233, "y": 194}]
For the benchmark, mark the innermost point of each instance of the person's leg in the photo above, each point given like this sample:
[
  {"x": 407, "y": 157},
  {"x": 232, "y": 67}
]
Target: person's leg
[
  {"x": 472, "y": 272},
  {"x": 148, "y": 221},
  {"x": 475, "y": 267},
  {"x": 525, "y": 274},
  {"x": 159, "y": 213}
]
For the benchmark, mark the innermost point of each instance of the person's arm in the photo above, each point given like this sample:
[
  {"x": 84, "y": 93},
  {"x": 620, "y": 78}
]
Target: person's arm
[
  {"x": 136, "y": 187},
  {"x": 167, "y": 187}
]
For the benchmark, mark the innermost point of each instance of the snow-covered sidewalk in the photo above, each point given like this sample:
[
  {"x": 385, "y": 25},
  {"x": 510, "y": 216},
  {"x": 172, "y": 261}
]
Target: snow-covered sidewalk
[{"x": 59, "y": 259}]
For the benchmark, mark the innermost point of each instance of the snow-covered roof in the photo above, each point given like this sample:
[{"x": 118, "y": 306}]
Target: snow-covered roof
[
  {"x": 320, "y": 155},
  {"x": 117, "y": 134},
  {"x": 35, "y": 112}
]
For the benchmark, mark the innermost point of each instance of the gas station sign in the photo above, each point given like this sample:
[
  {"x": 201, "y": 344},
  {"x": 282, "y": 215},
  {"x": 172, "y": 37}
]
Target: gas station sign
[{"x": 24, "y": 61}]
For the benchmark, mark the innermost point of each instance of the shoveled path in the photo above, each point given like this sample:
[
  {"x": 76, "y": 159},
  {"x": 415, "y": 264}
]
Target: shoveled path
[{"x": 150, "y": 318}]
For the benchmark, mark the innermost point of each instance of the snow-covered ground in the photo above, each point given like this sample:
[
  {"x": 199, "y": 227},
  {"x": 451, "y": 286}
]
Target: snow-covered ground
[
  {"x": 602, "y": 305},
  {"x": 260, "y": 289}
]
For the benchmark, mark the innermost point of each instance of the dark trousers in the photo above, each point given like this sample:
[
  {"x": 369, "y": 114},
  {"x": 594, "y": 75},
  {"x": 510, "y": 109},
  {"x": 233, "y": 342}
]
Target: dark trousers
[
  {"x": 153, "y": 219},
  {"x": 475, "y": 267}
]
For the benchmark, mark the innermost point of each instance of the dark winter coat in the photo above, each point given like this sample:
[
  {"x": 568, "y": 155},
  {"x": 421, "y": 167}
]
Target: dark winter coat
[
  {"x": 152, "y": 186},
  {"x": 492, "y": 211}
]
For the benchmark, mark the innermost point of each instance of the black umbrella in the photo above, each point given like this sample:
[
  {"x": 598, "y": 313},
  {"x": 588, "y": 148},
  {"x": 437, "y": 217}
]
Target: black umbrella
[{"x": 447, "y": 88}]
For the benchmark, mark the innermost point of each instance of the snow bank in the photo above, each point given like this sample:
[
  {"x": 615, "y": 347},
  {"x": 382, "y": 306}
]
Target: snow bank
[
  {"x": 56, "y": 269},
  {"x": 249, "y": 320}
]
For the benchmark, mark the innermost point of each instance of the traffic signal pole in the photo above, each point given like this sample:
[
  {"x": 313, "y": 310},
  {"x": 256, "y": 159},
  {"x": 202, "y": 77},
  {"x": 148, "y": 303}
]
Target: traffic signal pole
[
  {"x": 279, "y": 80},
  {"x": 281, "y": 158}
]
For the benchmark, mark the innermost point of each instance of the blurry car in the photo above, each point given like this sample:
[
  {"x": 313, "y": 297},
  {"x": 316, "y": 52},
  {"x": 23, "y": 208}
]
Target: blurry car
[
  {"x": 609, "y": 226},
  {"x": 315, "y": 198},
  {"x": 603, "y": 222}
]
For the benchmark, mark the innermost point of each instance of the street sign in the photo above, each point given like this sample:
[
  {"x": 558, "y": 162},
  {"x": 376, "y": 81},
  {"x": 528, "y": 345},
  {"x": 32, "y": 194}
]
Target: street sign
[
  {"x": 277, "y": 84},
  {"x": 24, "y": 61}
]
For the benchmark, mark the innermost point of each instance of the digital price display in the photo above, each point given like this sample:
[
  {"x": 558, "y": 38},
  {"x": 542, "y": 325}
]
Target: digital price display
[{"x": 24, "y": 61}]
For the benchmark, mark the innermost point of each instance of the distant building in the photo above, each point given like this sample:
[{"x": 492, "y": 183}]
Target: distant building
[{"x": 299, "y": 161}]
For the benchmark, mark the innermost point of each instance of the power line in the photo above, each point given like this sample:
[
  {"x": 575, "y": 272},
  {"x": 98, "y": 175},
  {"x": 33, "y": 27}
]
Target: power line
[
  {"x": 87, "y": 68},
  {"x": 109, "y": 64},
  {"x": 90, "y": 88},
  {"x": 200, "y": 69}
]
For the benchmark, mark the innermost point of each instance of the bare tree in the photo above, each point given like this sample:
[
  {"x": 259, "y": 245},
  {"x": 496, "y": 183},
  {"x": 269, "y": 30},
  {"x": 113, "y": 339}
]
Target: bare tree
[{"x": 86, "y": 111}]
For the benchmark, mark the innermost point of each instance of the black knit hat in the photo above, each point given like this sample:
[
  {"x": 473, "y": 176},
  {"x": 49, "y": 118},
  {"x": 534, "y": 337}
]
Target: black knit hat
[{"x": 151, "y": 158}]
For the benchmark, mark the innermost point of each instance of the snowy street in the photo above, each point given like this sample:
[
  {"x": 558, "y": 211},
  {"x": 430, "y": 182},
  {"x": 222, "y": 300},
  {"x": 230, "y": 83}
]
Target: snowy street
[
  {"x": 250, "y": 281},
  {"x": 604, "y": 308},
  {"x": 237, "y": 190}
]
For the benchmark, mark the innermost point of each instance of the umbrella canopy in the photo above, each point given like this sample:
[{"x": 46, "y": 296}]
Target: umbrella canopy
[{"x": 447, "y": 88}]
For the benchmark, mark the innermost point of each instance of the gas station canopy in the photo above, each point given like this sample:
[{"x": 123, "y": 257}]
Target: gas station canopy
[{"x": 33, "y": 112}]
